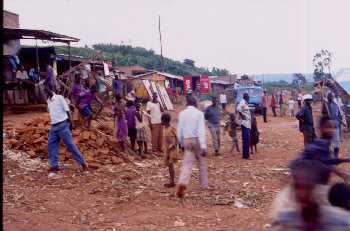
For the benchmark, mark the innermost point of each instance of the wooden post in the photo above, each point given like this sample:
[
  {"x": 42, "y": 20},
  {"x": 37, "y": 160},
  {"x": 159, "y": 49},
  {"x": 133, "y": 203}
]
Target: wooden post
[
  {"x": 37, "y": 58},
  {"x": 70, "y": 59}
]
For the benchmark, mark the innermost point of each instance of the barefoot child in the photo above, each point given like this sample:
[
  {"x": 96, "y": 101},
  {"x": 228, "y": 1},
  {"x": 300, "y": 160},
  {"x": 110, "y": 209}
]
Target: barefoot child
[
  {"x": 141, "y": 135},
  {"x": 170, "y": 148},
  {"x": 254, "y": 135},
  {"x": 232, "y": 131}
]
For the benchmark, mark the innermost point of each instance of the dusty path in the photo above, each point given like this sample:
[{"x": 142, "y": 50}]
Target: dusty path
[{"x": 124, "y": 197}]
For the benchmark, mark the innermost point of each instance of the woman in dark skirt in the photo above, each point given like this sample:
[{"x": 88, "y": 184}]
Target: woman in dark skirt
[{"x": 254, "y": 135}]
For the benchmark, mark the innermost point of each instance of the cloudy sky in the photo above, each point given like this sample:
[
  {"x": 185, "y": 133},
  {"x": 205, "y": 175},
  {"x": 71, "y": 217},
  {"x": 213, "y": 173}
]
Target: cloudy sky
[{"x": 243, "y": 36}]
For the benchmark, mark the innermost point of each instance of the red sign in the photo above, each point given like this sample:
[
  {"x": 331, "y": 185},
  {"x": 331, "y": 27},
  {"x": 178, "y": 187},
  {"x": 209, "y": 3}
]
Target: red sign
[
  {"x": 204, "y": 84},
  {"x": 187, "y": 83}
]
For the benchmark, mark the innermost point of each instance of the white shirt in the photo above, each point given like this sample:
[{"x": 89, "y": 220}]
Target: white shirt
[
  {"x": 300, "y": 97},
  {"x": 191, "y": 125},
  {"x": 291, "y": 104},
  {"x": 223, "y": 98},
  {"x": 22, "y": 75},
  {"x": 58, "y": 108},
  {"x": 156, "y": 113},
  {"x": 243, "y": 108}
]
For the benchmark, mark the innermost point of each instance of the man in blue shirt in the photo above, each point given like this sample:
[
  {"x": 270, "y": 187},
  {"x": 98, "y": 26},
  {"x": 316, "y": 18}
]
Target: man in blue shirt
[
  {"x": 306, "y": 120},
  {"x": 213, "y": 115}
]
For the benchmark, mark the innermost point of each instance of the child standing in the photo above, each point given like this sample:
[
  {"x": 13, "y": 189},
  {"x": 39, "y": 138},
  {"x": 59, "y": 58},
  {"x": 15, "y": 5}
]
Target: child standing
[
  {"x": 170, "y": 148},
  {"x": 254, "y": 135},
  {"x": 141, "y": 135},
  {"x": 291, "y": 104},
  {"x": 120, "y": 124},
  {"x": 232, "y": 131}
]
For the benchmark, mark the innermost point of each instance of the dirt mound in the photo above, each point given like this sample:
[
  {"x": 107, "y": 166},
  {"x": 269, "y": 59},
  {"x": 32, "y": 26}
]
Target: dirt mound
[{"x": 96, "y": 144}]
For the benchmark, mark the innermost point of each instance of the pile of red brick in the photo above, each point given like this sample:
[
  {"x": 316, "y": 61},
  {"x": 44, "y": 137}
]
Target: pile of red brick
[{"x": 97, "y": 144}]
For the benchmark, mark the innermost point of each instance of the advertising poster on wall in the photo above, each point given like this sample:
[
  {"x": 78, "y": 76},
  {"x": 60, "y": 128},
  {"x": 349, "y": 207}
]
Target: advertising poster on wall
[
  {"x": 187, "y": 83},
  {"x": 204, "y": 84}
]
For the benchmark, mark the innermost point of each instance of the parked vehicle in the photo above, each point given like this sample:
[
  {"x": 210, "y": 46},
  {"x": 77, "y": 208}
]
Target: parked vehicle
[{"x": 255, "y": 96}]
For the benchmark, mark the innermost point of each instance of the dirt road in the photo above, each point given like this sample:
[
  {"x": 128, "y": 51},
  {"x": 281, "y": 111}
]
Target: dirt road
[{"x": 126, "y": 197}]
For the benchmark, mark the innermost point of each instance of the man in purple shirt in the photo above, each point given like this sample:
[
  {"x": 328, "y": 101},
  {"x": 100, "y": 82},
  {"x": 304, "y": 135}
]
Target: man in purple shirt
[
  {"x": 84, "y": 103},
  {"x": 76, "y": 89},
  {"x": 130, "y": 117}
]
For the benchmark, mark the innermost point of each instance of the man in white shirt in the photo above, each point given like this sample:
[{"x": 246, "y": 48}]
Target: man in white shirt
[
  {"x": 291, "y": 104},
  {"x": 191, "y": 135},
  {"x": 244, "y": 112},
  {"x": 300, "y": 98},
  {"x": 155, "y": 110},
  {"x": 60, "y": 129},
  {"x": 223, "y": 101}
]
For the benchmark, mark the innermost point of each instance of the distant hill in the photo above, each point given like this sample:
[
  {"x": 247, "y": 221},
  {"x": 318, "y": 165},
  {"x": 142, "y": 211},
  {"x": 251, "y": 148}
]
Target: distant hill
[
  {"x": 122, "y": 55},
  {"x": 277, "y": 77}
]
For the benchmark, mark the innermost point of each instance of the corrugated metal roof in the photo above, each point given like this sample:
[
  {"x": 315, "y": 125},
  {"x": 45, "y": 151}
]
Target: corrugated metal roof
[
  {"x": 36, "y": 34},
  {"x": 171, "y": 76}
]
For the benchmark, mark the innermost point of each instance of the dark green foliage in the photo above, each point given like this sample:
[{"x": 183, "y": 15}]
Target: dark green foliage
[{"x": 124, "y": 55}]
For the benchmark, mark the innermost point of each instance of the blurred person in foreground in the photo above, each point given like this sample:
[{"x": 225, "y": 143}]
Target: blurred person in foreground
[
  {"x": 306, "y": 121},
  {"x": 319, "y": 148},
  {"x": 191, "y": 136},
  {"x": 307, "y": 213},
  {"x": 339, "y": 196}
]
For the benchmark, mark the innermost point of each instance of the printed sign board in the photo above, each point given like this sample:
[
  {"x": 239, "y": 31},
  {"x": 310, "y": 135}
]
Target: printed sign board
[
  {"x": 187, "y": 83},
  {"x": 204, "y": 84}
]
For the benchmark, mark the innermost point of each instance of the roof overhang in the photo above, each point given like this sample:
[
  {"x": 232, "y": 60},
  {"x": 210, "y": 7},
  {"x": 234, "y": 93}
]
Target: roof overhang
[{"x": 10, "y": 34}]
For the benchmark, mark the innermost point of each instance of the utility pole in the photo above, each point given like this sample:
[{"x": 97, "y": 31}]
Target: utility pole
[{"x": 161, "y": 45}]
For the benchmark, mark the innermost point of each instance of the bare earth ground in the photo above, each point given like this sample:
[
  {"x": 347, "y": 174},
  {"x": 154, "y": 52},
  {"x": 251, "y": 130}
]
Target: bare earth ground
[{"x": 126, "y": 197}]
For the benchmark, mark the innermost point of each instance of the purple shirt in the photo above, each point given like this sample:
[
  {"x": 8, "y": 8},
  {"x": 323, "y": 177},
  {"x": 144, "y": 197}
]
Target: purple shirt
[
  {"x": 85, "y": 99},
  {"x": 130, "y": 116},
  {"x": 76, "y": 90}
]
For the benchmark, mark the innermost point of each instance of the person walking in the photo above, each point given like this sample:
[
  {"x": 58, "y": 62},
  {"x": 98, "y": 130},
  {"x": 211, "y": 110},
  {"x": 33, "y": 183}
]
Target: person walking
[
  {"x": 170, "y": 148},
  {"x": 244, "y": 112},
  {"x": 306, "y": 122},
  {"x": 155, "y": 110},
  {"x": 223, "y": 100},
  {"x": 264, "y": 106},
  {"x": 61, "y": 126},
  {"x": 213, "y": 115},
  {"x": 191, "y": 136},
  {"x": 331, "y": 109},
  {"x": 273, "y": 104}
]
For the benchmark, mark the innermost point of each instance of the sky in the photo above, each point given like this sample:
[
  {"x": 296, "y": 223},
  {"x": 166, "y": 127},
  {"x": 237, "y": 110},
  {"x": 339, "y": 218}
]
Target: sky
[{"x": 243, "y": 36}]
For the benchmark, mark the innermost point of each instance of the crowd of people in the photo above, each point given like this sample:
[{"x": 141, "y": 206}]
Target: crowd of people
[
  {"x": 311, "y": 169},
  {"x": 26, "y": 77}
]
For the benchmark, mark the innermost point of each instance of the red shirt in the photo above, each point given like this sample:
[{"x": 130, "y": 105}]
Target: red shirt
[{"x": 273, "y": 101}]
